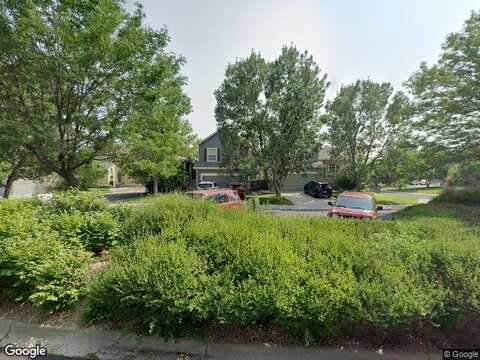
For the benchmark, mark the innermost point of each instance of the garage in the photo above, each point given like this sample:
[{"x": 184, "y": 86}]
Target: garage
[
  {"x": 296, "y": 182},
  {"x": 220, "y": 180}
]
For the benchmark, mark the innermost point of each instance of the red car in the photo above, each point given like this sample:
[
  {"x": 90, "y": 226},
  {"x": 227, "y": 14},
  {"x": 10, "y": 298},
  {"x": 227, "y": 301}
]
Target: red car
[
  {"x": 223, "y": 197},
  {"x": 239, "y": 188},
  {"x": 358, "y": 205}
]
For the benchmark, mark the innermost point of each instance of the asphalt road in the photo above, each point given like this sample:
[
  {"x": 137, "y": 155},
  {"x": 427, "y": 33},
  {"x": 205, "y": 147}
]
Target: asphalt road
[{"x": 306, "y": 205}]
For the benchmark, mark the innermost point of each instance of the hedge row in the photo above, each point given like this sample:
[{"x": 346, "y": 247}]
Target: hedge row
[
  {"x": 187, "y": 263},
  {"x": 46, "y": 248}
]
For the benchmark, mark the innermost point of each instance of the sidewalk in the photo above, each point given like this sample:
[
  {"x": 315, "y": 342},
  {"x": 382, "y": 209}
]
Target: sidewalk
[{"x": 112, "y": 345}]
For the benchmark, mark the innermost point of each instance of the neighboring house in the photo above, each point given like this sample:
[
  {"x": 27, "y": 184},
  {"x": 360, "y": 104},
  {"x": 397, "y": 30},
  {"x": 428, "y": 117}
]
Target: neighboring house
[
  {"x": 115, "y": 177},
  {"x": 210, "y": 152}
]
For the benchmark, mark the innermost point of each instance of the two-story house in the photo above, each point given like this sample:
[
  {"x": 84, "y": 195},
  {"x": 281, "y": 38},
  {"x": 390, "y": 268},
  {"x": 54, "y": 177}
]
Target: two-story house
[{"x": 210, "y": 152}]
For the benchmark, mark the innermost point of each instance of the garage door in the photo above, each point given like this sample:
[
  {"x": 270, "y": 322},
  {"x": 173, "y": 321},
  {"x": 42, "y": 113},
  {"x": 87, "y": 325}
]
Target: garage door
[
  {"x": 222, "y": 181},
  {"x": 296, "y": 182}
]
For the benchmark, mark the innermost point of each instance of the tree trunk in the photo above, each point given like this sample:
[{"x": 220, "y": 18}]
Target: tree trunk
[
  {"x": 70, "y": 179},
  {"x": 155, "y": 185},
  {"x": 8, "y": 185}
]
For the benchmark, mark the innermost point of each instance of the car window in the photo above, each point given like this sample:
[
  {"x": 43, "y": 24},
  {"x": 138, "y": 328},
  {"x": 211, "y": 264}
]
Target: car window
[
  {"x": 354, "y": 202},
  {"x": 219, "y": 198},
  {"x": 205, "y": 186}
]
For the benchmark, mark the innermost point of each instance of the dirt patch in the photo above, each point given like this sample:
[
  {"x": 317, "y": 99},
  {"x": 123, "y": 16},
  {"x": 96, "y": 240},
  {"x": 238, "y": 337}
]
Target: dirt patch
[{"x": 418, "y": 337}]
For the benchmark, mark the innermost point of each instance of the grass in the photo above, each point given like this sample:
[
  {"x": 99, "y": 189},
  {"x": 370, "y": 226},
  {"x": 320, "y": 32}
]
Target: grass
[
  {"x": 389, "y": 199},
  {"x": 101, "y": 190},
  {"x": 433, "y": 190},
  {"x": 271, "y": 199}
]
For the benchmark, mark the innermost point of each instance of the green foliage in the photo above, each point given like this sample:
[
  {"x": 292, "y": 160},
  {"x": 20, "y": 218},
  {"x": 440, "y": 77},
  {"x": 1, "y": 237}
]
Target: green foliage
[
  {"x": 268, "y": 114},
  {"x": 162, "y": 286},
  {"x": 100, "y": 62},
  {"x": 172, "y": 213},
  {"x": 447, "y": 94},
  {"x": 363, "y": 120},
  {"x": 313, "y": 276},
  {"x": 89, "y": 174},
  {"x": 94, "y": 231},
  {"x": 76, "y": 200},
  {"x": 460, "y": 196},
  {"x": 41, "y": 269},
  {"x": 346, "y": 182},
  {"x": 467, "y": 174}
]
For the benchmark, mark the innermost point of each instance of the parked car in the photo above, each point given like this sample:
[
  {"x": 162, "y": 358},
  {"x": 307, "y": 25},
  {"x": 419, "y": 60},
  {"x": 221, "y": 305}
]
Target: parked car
[
  {"x": 318, "y": 189},
  {"x": 239, "y": 188},
  {"x": 358, "y": 205},
  {"x": 223, "y": 197},
  {"x": 206, "y": 185}
]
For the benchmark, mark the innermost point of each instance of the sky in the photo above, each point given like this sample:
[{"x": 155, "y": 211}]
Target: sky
[{"x": 384, "y": 40}]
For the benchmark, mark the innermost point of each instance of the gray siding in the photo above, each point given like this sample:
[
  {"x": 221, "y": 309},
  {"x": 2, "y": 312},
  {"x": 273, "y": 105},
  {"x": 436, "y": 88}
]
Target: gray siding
[
  {"x": 296, "y": 182},
  {"x": 211, "y": 142}
]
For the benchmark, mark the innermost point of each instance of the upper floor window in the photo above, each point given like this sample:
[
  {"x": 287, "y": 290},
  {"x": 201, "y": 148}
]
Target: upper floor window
[{"x": 212, "y": 154}]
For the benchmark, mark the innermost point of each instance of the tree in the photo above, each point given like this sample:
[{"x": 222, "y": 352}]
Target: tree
[
  {"x": 268, "y": 114},
  {"x": 157, "y": 136},
  {"x": 15, "y": 160},
  {"x": 363, "y": 119},
  {"x": 154, "y": 145},
  {"x": 447, "y": 94},
  {"x": 72, "y": 73}
]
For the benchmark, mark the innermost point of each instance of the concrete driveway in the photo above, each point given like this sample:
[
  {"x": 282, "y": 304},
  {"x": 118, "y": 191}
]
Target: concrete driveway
[{"x": 307, "y": 205}]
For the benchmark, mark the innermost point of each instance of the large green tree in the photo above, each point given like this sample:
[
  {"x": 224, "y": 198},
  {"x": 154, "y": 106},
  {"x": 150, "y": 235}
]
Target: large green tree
[
  {"x": 363, "y": 119},
  {"x": 72, "y": 73},
  {"x": 268, "y": 114},
  {"x": 447, "y": 94}
]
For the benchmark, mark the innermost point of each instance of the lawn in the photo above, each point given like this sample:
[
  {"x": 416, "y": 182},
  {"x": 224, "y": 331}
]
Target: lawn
[
  {"x": 434, "y": 190},
  {"x": 270, "y": 199},
  {"x": 391, "y": 199}
]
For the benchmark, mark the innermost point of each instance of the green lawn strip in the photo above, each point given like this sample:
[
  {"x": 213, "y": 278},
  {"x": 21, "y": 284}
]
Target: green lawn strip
[
  {"x": 434, "y": 190},
  {"x": 390, "y": 199},
  {"x": 270, "y": 199}
]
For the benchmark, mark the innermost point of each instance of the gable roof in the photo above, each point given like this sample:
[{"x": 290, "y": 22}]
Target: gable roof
[{"x": 209, "y": 137}]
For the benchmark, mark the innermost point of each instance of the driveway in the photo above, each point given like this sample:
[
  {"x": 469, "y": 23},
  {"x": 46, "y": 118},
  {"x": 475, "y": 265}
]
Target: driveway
[{"x": 307, "y": 205}]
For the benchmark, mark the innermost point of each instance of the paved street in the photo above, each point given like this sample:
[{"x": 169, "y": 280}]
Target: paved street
[{"x": 309, "y": 206}]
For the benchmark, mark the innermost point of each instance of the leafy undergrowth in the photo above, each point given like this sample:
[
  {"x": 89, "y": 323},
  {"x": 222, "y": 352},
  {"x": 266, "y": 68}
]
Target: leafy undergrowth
[
  {"x": 271, "y": 199},
  {"x": 187, "y": 264}
]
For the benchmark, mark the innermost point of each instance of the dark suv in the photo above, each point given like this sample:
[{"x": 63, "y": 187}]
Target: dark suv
[{"x": 318, "y": 189}]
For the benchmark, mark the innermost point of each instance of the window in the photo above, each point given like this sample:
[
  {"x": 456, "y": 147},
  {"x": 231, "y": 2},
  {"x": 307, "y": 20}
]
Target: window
[{"x": 212, "y": 155}]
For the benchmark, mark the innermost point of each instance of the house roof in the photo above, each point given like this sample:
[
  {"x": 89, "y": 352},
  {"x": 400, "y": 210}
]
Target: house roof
[{"x": 208, "y": 137}]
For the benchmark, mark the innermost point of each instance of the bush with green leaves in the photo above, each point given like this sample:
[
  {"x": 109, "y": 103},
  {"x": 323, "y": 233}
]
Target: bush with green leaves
[
  {"x": 162, "y": 287},
  {"x": 170, "y": 213},
  {"x": 76, "y": 200},
  {"x": 41, "y": 269},
  {"x": 314, "y": 276},
  {"x": 95, "y": 231}
]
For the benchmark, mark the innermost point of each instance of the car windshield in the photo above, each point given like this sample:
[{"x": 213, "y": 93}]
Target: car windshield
[
  {"x": 205, "y": 186},
  {"x": 354, "y": 202}
]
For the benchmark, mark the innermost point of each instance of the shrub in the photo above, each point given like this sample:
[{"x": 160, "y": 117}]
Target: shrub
[
  {"x": 170, "y": 212},
  {"x": 76, "y": 200},
  {"x": 42, "y": 270},
  {"x": 95, "y": 231},
  {"x": 459, "y": 196},
  {"x": 161, "y": 287},
  {"x": 344, "y": 182},
  {"x": 313, "y": 276},
  {"x": 466, "y": 174},
  {"x": 90, "y": 174}
]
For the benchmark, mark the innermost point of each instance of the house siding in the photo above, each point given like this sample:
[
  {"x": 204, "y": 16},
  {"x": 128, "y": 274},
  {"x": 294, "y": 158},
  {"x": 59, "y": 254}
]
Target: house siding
[{"x": 212, "y": 171}]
